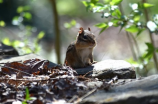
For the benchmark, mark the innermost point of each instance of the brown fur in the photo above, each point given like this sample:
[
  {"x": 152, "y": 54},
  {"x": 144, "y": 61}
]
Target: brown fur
[{"x": 79, "y": 53}]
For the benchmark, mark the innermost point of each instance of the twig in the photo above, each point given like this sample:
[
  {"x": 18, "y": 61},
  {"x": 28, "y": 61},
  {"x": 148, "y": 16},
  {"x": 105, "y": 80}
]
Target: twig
[
  {"x": 131, "y": 46},
  {"x": 72, "y": 99},
  {"x": 113, "y": 80},
  {"x": 87, "y": 73},
  {"x": 81, "y": 98}
]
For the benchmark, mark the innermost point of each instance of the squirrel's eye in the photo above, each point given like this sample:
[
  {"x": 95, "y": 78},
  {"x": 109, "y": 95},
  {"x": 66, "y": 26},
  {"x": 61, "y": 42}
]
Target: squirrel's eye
[{"x": 85, "y": 37}]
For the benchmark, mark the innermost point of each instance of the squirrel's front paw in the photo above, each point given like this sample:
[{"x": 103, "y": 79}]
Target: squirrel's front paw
[
  {"x": 89, "y": 64},
  {"x": 94, "y": 62}
]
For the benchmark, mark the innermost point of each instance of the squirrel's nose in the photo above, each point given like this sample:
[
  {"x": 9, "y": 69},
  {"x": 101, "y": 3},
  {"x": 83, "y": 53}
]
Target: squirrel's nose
[{"x": 93, "y": 42}]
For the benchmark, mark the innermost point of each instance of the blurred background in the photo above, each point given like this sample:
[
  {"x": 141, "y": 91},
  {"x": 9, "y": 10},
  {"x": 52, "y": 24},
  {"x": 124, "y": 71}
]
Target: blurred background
[{"x": 47, "y": 27}]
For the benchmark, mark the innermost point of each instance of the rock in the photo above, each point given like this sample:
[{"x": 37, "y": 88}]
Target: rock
[
  {"x": 109, "y": 69},
  {"x": 25, "y": 57},
  {"x": 135, "y": 91},
  {"x": 7, "y": 51},
  {"x": 106, "y": 69}
]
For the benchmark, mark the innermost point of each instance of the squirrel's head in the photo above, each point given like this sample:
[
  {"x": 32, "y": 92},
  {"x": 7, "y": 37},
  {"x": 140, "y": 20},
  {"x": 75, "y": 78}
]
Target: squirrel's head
[{"x": 86, "y": 36}]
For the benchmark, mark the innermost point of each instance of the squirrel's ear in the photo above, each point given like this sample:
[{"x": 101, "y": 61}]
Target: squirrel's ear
[
  {"x": 81, "y": 31},
  {"x": 89, "y": 29}
]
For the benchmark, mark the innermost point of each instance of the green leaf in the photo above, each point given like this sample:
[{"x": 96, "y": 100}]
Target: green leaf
[
  {"x": 20, "y": 9},
  {"x": 94, "y": 1},
  {"x": 85, "y": 3},
  {"x": 101, "y": 25},
  {"x": 41, "y": 35},
  {"x": 115, "y": 22},
  {"x": 24, "y": 102},
  {"x": 73, "y": 22},
  {"x": 27, "y": 94},
  {"x": 132, "y": 29},
  {"x": 117, "y": 13},
  {"x": 67, "y": 25},
  {"x": 140, "y": 31},
  {"x": 107, "y": 1},
  {"x": 16, "y": 43},
  {"x": 2, "y": 23},
  {"x": 147, "y": 5},
  {"x": 136, "y": 18},
  {"x": 115, "y": 2},
  {"x": 28, "y": 15},
  {"x": 99, "y": 4},
  {"x": 26, "y": 8},
  {"x": 150, "y": 50},
  {"x": 133, "y": 62},
  {"x": 27, "y": 50},
  {"x": 150, "y": 46},
  {"x": 6, "y": 41},
  {"x": 1, "y": 1},
  {"x": 103, "y": 29},
  {"x": 15, "y": 18}
]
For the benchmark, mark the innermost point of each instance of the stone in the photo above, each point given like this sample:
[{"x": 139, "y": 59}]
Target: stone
[
  {"x": 108, "y": 69},
  {"x": 134, "y": 91},
  {"x": 7, "y": 51},
  {"x": 26, "y": 57}
]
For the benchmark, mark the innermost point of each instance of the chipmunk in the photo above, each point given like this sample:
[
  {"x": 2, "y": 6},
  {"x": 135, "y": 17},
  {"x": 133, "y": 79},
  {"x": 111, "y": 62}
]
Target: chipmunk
[{"x": 79, "y": 53}]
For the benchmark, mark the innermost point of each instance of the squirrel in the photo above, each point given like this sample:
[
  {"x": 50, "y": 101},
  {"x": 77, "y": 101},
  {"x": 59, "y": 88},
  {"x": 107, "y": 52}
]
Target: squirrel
[{"x": 80, "y": 53}]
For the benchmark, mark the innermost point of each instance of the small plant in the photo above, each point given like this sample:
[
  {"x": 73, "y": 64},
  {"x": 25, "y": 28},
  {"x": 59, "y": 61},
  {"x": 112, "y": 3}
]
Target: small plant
[
  {"x": 24, "y": 44},
  {"x": 27, "y": 98}
]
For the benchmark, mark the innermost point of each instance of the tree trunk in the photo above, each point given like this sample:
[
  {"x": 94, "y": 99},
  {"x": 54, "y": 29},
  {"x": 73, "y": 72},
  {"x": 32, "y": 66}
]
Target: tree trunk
[{"x": 57, "y": 31}]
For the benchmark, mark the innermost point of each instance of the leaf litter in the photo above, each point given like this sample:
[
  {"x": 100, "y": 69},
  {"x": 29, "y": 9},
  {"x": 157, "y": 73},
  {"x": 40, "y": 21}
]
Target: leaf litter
[{"x": 46, "y": 85}]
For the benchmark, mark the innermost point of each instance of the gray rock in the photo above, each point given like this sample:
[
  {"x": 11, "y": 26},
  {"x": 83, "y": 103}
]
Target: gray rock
[
  {"x": 104, "y": 69},
  {"x": 143, "y": 91},
  {"x": 7, "y": 51},
  {"x": 109, "y": 69},
  {"x": 25, "y": 57}
]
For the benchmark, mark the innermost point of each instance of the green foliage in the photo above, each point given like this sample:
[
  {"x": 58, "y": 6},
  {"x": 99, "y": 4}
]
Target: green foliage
[
  {"x": 150, "y": 50},
  {"x": 28, "y": 15},
  {"x": 103, "y": 26},
  {"x": 70, "y": 25},
  {"x": 1, "y": 1},
  {"x": 115, "y": 2},
  {"x": 132, "y": 29},
  {"x": 21, "y": 9},
  {"x": 132, "y": 22},
  {"x": 116, "y": 13},
  {"x": 27, "y": 96},
  {"x": 147, "y": 5},
  {"x": 110, "y": 10},
  {"x": 40, "y": 35},
  {"x": 24, "y": 45},
  {"x": 2, "y": 23}
]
